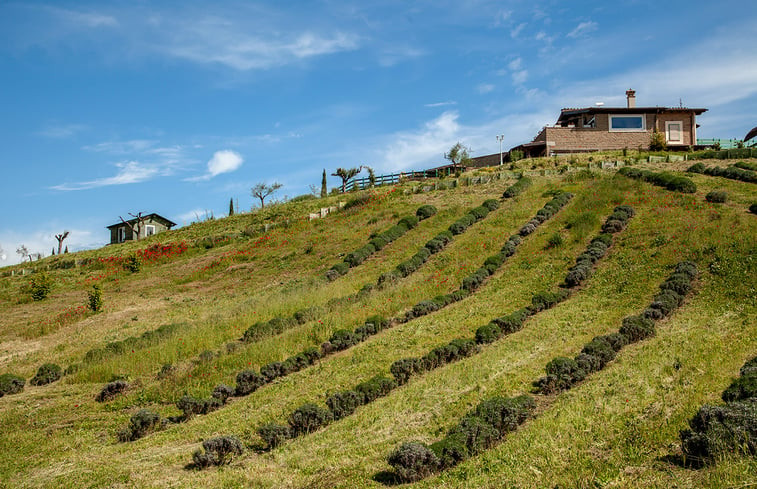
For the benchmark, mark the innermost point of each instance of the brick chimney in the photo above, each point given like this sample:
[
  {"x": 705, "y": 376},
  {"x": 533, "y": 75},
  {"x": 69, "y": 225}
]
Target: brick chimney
[{"x": 631, "y": 97}]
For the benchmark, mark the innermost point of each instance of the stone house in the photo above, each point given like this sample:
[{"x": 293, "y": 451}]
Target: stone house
[
  {"x": 581, "y": 130},
  {"x": 151, "y": 224}
]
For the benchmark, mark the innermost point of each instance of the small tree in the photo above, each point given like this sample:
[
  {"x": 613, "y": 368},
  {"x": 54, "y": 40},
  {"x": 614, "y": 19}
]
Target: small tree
[
  {"x": 23, "y": 252},
  {"x": 137, "y": 225},
  {"x": 231, "y": 207},
  {"x": 324, "y": 188},
  {"x": 262, "y": 190},
  {"x": 657, "y": 141},
  {"x": 60, "y": 238},
  {"x": 345, "y": 174},
  {"x": 458, "y": 155},
  {"x": 95, "y": 299},
  {"x": 371, "y": 176}
]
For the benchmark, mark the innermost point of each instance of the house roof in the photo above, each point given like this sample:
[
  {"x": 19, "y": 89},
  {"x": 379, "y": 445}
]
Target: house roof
[
  {"x": 572, "y": 112},
  {"x": 149, "y": 217}
]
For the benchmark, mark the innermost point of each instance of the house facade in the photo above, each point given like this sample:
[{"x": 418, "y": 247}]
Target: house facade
[
  {"x": 580, "y": 130},
  {"x": 151, "y": 224}
]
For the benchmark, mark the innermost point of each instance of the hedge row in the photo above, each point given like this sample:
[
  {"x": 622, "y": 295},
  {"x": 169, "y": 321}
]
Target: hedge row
[
  {"x": 563, "y": 372},
  {"x": 378, "y": 241},
  {"x": 46, "y": 374},
  {"x": 438, "y": 243},
  {"x": 732, "y": 428},
  {"x": 473, "y": 281},
  {"x": 731, "y": 172},
  {"x": 664, "y": 179},
  {"x": 515, "y": 189},
  {"x": 473, "y": 216},
  {"x": 479, "y": 430},
  {"x": 492, "y": 418}
]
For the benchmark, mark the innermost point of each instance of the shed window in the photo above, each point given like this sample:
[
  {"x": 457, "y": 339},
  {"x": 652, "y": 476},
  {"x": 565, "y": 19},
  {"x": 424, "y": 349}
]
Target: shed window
[
  {"x": 121, "y": 234},
  {"x": 627, "y": 123},
  {"x": 149, "y": 230}
]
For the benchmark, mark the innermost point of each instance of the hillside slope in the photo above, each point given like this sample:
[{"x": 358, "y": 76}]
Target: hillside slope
[{"x": 618, "y": 428}]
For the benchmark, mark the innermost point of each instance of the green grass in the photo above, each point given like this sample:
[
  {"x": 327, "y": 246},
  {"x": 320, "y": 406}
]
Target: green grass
[{"x": 612, "y": 430}]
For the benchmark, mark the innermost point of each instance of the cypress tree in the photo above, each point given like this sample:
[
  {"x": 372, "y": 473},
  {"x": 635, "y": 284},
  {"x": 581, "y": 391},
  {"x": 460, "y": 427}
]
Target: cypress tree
[
  {"x": 324, "y": 190},
  {"x": 231, "y": 206}
]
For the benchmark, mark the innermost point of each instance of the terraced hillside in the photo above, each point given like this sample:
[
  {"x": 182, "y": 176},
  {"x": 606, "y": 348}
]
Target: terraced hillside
[{"x": 226, "y": 357}]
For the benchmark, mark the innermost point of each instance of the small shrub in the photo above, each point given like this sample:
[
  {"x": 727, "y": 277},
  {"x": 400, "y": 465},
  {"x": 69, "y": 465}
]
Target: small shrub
[
  {"x": 425, "y": 211},
  {"x": 479, "y": 212},
  {"x": 637, "y": 328},
  {"x": 111, "y": 390},
  {"x": 491, "y": 204},
  {"x": 517, "y": 188},
  {"x": 718, "y": 196},
  {"x": 140, "y": 424},
  {"x": 555, "y": 240},
  {"x": 488, "y": 333},
  {"x": 718, "y": 430},
  {"x": 274, "y": 434},
  {"x": 342, "y": 339},
  {"x": 47, "y": 374},
  {"x": 405, "y": 368},
  {"x": 222, "y": 392},
  {"x": 11, "y": 384},
  {"x": 337, "y": 271},
  {"x": 408, "y": 221},
  {"x": 132, "y": 263},
  {"x": 375, "y": 387},
  {"x": 40, "y": 285},
  {"x": 95, "y": 299},
  {"x": 344, "y": 403},
  {"x": 477, "y": 434},
  {"x": 413, "y": 461},
  {"x": 308, "y": 418},
  {"x": 545, "y": 300},
  {"x": 743, "y": 388},
  {"x": 218, "y": 451},
  {"x": 192, "y": 406},
  {"x": 505, "y": 414}
]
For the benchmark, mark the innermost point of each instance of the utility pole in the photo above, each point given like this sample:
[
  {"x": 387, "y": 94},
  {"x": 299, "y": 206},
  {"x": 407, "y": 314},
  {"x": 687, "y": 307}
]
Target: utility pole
[{"x": 500, "y": 137}]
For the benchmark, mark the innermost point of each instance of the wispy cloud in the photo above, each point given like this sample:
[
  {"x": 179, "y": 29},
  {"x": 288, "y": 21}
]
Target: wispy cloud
[
  {"x": 515, "y": 31},
  {"x": 484, "y": 88},
  {"x": 83, "y": 19},
  {"x": 441, "y": 104},
  {"x": 582, "y": 29},
  {"x": 224, "y": 161},
  {"x": 129, "y": 172},
  {"x": 121, "y": 147},
  {"x": 63, "y": 131},
  {"x": 394, "y": 55},
  {"x": 223, "y": 42}
]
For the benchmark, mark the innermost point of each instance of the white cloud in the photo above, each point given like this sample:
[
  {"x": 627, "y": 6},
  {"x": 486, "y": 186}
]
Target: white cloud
[
  {"x": 583, "y": 28},
  {"x": 219, "y": 41},
  {"x": 520, "y": 77},
  {"x": 515, "y": 64},
  {"x": 121, "y": 147},
  {"x": 130, "y": 172},
  {"x": 515, "y": 31},
  {"x": 484, "y": 88},
  {"x": 224, "y": 161},
  {"x": 441, "y": 104}
]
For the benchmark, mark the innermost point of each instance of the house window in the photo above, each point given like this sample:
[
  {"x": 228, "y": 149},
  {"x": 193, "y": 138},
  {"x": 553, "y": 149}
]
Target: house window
[
  {"x": 121, "y": 234},
  {"x": 149, "y": 230},
  {"x": 629, "y": 123},
  {"x": 674, "y": 132}
]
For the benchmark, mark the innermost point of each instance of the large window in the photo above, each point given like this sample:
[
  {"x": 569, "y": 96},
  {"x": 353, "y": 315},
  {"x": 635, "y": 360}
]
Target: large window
[{"x": 627, "y": 123}]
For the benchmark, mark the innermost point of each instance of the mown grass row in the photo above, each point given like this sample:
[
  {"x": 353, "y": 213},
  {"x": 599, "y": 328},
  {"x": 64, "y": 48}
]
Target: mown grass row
[{"x": 489, "y": 422}]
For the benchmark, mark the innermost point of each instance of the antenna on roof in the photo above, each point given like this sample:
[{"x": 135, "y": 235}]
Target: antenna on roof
[{"x": 599, "y": 104}]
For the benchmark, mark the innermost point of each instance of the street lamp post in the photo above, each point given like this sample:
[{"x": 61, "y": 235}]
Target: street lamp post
[{"x": 500, "y": 137}]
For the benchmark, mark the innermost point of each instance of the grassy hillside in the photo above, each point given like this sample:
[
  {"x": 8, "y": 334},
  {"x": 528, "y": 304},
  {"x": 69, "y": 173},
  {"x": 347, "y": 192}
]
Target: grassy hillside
[{"x": 174, "y": 328}]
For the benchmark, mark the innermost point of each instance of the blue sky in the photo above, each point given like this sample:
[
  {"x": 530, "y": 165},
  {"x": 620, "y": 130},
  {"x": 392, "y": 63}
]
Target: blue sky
[{"x": 108, "y": 108}]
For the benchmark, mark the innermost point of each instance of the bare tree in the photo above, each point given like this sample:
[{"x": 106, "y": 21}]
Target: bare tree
[
  {"x": 345, "y": 174},
  {"x": 262, "y": 190},
  {"x": 137, "y": 225},
  {"x": 60, "y": 238},
  {"x": 23, "y": 252}
]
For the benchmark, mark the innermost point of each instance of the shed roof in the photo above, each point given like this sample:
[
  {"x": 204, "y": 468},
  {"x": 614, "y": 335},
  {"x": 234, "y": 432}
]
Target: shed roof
[{"x": 152, "y": 217}]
